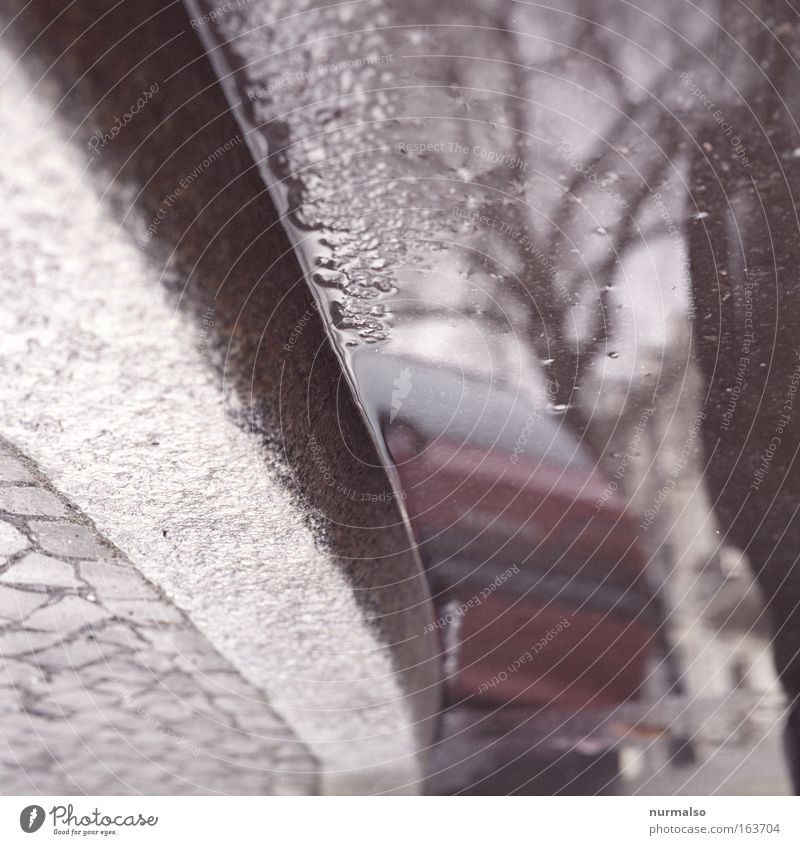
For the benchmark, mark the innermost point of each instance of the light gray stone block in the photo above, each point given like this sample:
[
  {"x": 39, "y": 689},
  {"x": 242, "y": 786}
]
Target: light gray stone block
[
  {"x": 32, "y": 501},
  {"x": 67, "y": 539},
  {"x": 11, "y": 540}
]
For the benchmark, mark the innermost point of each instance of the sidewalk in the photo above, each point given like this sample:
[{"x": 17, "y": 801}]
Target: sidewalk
[{"x": 108, "y": 688}]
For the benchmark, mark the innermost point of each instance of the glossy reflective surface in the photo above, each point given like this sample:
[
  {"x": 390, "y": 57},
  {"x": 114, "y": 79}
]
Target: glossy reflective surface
[{"x": 555, "y": 246}]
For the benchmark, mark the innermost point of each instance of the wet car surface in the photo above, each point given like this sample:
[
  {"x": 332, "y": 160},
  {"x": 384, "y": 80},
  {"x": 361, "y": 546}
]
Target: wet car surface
[
  {"x": 564, "y": 230},
  {"x": 553, "y": 246}
]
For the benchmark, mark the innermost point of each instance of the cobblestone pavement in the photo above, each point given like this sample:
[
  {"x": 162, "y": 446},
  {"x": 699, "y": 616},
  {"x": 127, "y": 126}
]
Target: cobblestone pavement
[{"x": 107, "y": 687}]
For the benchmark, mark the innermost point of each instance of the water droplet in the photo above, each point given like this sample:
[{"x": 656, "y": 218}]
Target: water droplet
[{"x": 327, "y": 279}]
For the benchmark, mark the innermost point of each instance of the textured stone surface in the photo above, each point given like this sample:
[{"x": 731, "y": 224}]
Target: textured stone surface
[{"x": 105, "y": 686}]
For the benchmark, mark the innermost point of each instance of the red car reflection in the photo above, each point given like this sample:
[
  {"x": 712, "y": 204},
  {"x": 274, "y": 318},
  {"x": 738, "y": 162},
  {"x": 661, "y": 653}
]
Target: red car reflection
[{"x": 564, "y": 620}]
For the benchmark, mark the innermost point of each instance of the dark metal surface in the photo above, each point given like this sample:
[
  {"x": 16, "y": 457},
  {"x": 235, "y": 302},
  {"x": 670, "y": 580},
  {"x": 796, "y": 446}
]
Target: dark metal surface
[{"x": 537, "y": 232}]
